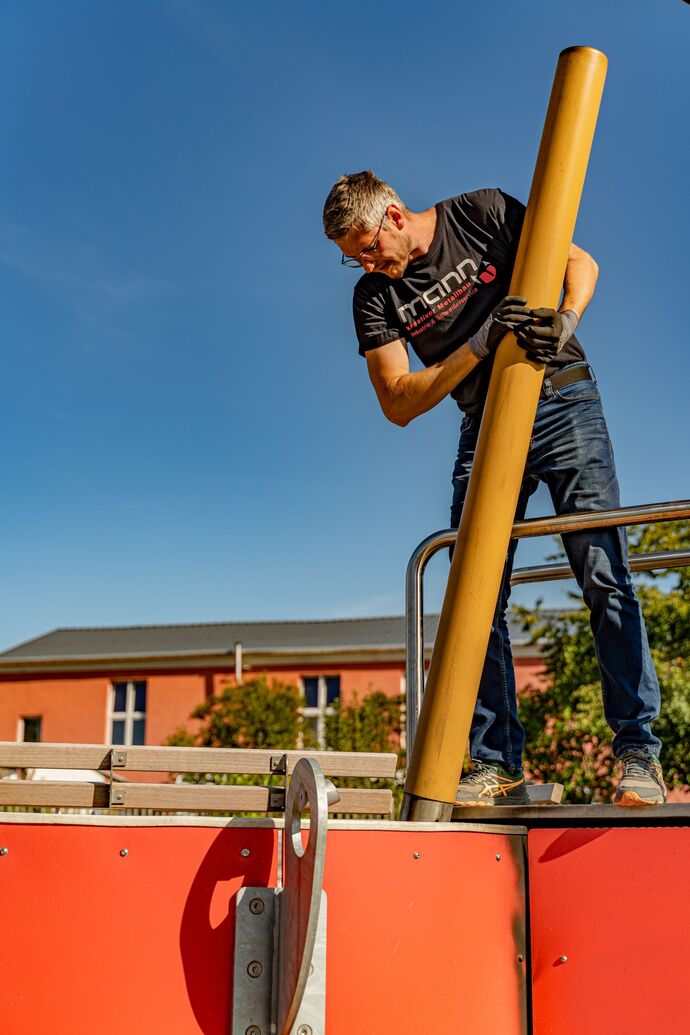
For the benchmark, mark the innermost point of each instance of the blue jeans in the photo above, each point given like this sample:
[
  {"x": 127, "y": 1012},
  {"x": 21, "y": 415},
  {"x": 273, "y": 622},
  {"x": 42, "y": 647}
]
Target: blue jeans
[{"x": 571, "y": 452}]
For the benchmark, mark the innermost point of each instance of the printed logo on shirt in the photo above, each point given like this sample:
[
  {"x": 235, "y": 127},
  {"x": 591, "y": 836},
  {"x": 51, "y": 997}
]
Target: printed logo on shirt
[{"x": 444, "y": 297}]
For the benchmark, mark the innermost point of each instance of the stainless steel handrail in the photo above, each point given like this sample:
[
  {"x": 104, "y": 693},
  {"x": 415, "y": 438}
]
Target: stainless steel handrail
[{"x": 414, "y": 579}]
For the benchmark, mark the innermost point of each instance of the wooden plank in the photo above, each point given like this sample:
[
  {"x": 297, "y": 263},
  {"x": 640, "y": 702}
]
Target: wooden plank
[
  {"x": 545, "y": 793},
  {"x": 51, "y": 794},
  {"x": 54, "y": 756},
  {"x": 191, "y": 760},
  {"x": 175, "y": 797},
  {"x": 214, "y": 798},
  {"x": 363, "y": 802}
]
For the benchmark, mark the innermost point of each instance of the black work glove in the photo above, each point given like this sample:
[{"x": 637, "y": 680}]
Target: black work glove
[
  {"x": 510, "y": 314},
  {"x": 546, "y": 333}
]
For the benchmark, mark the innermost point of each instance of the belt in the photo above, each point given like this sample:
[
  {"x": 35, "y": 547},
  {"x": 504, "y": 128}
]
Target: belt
[{"x": 579, "y": 372}]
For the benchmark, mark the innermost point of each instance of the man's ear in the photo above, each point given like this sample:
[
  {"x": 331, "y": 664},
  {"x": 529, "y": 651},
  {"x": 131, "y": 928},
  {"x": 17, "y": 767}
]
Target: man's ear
[{"x": 396, "y": 216}]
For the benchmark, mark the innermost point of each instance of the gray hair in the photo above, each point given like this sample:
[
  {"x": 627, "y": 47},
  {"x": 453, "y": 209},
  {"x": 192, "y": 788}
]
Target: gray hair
[{"x": 357, "y": 201}]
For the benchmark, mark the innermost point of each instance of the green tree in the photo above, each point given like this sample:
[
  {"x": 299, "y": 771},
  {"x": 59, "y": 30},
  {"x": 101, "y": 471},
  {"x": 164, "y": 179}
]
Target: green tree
[
  {"x": 567, "y": 737},
  {"x": 255, "y": 714}
]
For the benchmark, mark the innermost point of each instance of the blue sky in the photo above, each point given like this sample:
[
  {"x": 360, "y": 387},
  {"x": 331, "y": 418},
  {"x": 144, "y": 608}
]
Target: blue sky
[{"x": 188, "y": 431}]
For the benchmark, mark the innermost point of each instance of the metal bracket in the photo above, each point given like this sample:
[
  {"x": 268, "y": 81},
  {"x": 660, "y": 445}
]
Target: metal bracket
[
  {"x": 117, "y": 795},
  {"x": 118, "y": 759},
  {"x": 287, "y": 938},
  {"x": 276, "y": 799},
  {"x": 278, "y": 764}
]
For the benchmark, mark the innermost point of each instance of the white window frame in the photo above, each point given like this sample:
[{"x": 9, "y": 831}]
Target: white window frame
[
  {"x": 322, "y": 708},
  {"x": 21, "y": 728},
  {"x": 129, "y": 715}
]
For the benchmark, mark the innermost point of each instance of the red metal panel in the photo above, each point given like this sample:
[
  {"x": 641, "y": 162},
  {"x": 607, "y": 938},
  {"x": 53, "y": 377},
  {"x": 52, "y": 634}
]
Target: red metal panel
[
  {"x": 615, "y": 902},
  {"x": 94, "y": 941},
  {"x": 419, "y": 946}
]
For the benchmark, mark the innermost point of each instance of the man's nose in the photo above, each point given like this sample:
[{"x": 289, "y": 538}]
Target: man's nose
[{"x": 367, "y": 262}]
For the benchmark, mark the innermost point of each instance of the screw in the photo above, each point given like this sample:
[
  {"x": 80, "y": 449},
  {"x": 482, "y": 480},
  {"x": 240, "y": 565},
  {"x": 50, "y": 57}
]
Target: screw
[
  {"x": 415, "y": 855},
  {"x": 563, "y": 959},
  {"x": 498, "y": 857},
  {"x": 124, "y": 852},
  {"x": 521, "y": 958},
  {"x": 304, "y": 1029},
  {"x": 255, "y": 969},
  {"x": 245, "y": 852},
  {"x": 256, "y": 906},
  {"x": 253, "y": 1029},
  {"x": 4, "y": 851}
]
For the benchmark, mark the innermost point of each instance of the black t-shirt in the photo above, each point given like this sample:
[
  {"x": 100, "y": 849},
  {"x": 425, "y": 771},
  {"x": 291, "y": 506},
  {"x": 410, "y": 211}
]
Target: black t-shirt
[{"x": 447, "y": 294}]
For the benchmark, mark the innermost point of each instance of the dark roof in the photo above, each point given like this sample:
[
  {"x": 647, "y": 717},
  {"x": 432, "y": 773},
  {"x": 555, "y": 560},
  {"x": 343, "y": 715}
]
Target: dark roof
[{"x": 216, "y": 640}]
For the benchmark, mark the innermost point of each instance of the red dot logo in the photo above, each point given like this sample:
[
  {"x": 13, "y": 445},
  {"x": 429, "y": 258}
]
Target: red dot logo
[{"x": 488, "y": 275}]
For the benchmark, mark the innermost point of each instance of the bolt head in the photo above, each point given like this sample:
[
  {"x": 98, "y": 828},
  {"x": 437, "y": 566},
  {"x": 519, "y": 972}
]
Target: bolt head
[
  {"x": 124, "y": 851},
  {"x": 521, "y": 958},
  {"x": 304, "y": 1029},
  {"x": 253, "y": 1029},
  {"x": 255, "y": 969},
  {"x": 4, "y": 851},
  {"x": 416, "y": 855},
  {"x": 245, "y": 853},
  {"x": 563, "y": 959},
  {"x": 498, "y": 857},
  {"x": 256, "y": 906}
]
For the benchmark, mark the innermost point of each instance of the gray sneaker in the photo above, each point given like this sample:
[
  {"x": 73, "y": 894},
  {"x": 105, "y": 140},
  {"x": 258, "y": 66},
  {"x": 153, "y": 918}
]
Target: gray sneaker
[
  {"x": 489, "y": 784},
  {"x": 642, "y": 782}
]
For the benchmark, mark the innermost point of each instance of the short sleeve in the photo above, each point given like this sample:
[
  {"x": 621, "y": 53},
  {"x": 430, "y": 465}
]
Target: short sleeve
[
  {"x": 373, "y": 320},
  {"x": 503, "y": 215}
]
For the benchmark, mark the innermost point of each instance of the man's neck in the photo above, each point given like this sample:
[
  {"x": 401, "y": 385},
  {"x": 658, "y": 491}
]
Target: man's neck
[{"x": 422, "y": 227}]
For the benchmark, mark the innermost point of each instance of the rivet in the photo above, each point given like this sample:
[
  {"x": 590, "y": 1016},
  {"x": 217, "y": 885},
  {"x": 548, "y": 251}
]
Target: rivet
[
  {"x": 304, "y": 1029},
  {"x": 415, "y": 855},
  {"x": 4, "y": 851},
  {"x": 563, "y": 959},
  {"x": 253, "y": 1029},
  {"x": 255, "y": 969},
  {"x": 124, "y": 851},
  {"x": 521, "y": 958},
  {"x": 498, "y": 857},
  {"x": 256, "y": 906},
  {"x": 245, "y": 852}
]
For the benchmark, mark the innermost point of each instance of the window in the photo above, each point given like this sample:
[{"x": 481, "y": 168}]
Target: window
[
  {"x": 128, "y": 713},
  {"x": 319, "y": 694},
  {"x": 30, "y": 728}
]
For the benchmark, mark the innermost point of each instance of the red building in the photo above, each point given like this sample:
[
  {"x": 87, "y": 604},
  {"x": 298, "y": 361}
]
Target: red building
[{"x": 138, "y": 684}]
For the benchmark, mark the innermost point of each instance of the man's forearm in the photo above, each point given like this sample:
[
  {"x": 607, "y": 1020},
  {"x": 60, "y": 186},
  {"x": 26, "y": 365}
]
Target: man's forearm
[
  {"x": 410, "y": 395},
  {"x": 578, "y": 286}
]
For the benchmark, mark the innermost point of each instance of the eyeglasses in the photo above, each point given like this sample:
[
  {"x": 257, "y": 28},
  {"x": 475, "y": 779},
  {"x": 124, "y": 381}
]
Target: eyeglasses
[{"x": 354, "y": 262}]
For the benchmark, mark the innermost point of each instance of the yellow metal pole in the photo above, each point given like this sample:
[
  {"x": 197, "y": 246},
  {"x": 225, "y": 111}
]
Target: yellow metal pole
[{"x": 511, "y": 404}]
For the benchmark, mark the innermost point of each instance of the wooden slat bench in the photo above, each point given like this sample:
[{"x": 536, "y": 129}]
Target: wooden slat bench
[{"x": 119, "y": 793}]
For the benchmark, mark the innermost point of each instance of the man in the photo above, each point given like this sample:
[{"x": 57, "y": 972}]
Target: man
[{"x": 436, "y": 280}]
